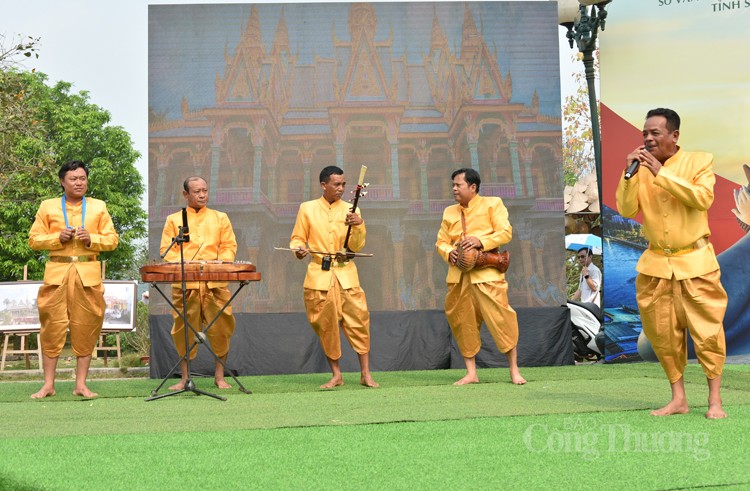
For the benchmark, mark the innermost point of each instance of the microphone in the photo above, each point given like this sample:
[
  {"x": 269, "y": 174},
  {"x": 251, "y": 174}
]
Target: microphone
[
  {"x": 632, "y": 169},
  {"x": 185, "y": 228}
]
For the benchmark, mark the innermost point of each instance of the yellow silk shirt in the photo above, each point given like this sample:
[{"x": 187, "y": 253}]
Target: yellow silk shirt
[
  {"x": 487, "y": 220},
  {"x": 320, "y": 227},
  {"x": 211, "y": 239},
  {"x": 675, "y": 207},
  {"x": 45, "y": 236}
]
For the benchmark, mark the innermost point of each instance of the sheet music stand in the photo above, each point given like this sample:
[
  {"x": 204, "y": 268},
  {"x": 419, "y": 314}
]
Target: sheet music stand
[{"x": 198, "y": 335}]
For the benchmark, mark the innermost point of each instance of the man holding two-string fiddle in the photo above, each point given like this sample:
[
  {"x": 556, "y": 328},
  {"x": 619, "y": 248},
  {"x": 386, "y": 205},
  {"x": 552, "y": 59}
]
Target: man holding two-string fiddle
[
  {"x": 212, "y": 239},
  {"x": 332, "y": 293}
]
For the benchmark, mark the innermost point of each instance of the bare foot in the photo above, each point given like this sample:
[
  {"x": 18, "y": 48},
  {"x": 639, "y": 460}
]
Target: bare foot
[
  {"x": 674, "y": 407},
  {"x": 468, "y": 379},
  {"x": 44, "y": 392},
  {"x": 715, "y": 411},
  {"x": 516, "y": 378},
  {"x": 85, "y": 392},
  {"x": 334, "y": 382},
  {"x": 222, "y": 384},
  {"x": 178, "y": 386},
  {"x": 367, "y": 381}
]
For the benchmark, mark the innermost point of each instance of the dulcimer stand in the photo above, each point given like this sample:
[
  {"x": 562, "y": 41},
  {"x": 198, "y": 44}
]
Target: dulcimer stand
[{"x": 199, "y": 336}]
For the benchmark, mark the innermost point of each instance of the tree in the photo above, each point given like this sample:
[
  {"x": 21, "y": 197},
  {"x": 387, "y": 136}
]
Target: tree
[
  {"x": 578, "y": 139},
  {"x": 26, "y": 46},
  {"x": 61, "y": 126},
  {"x": 17, "y": 120}
]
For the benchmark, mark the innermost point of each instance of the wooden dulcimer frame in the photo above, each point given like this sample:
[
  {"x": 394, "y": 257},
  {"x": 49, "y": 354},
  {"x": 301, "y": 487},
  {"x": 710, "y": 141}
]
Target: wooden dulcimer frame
[{"x": 199, "y": 271}]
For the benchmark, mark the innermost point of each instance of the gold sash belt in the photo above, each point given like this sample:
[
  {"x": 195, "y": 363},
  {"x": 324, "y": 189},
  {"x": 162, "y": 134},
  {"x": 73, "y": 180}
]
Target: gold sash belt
[
  {"x": 72, "y": 259},
  {"x": 679, "y": 251}
]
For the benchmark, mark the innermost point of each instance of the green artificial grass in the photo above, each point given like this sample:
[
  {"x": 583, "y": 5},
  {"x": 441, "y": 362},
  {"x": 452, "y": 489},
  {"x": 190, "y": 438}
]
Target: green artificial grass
[{"x": 585, "y": 427}]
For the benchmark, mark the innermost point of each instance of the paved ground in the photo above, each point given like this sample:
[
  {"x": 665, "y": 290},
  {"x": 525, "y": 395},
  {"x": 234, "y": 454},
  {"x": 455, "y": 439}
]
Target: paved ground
[{"x": 739, "y": 360}]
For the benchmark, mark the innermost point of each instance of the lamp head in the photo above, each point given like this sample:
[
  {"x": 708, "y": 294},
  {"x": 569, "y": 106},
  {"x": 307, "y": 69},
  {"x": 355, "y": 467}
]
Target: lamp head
[{"x": 567, "y": 11}]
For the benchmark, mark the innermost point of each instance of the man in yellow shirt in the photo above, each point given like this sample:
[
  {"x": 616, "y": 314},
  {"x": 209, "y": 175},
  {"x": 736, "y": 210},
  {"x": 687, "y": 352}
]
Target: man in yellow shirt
[
  {"x": 211, "y": 239},
  {"x": 331, "y": 290},
  {"x": 678, "y": 285},
  {"x": 73, "y": 228},
  {"x": 477, "y": 222}
]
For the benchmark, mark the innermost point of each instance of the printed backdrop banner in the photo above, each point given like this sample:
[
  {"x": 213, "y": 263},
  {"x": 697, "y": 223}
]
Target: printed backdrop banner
[
  {"x": 693, "y": 57},
  {"x": 257, "y": 99}
]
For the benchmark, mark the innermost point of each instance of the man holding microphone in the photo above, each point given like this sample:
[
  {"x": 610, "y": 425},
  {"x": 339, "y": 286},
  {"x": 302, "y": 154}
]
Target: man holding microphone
[{"x": 678, "y": 287}]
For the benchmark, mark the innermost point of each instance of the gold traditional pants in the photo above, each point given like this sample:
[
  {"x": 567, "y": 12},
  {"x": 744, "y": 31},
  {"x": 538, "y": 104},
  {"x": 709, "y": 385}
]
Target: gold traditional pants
[
  {"x": 70, "y": 305},
  {"x": 202, "y": 306},
  {"x": 326, "y": 309},
  {"x": 467, "y": 305},
  {"x": 668, "y": 307}
]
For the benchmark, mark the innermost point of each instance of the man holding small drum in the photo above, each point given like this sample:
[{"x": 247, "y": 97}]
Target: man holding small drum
[{"x": 477, "y": 223}]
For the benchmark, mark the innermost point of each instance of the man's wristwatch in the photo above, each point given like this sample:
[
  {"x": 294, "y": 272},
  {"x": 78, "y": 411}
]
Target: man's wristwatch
[{"x": 586, "y": 277}]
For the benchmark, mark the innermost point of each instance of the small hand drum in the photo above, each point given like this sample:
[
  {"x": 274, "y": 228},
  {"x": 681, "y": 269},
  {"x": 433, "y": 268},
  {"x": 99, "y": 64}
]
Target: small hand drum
[{"x": 467, "y": 259}]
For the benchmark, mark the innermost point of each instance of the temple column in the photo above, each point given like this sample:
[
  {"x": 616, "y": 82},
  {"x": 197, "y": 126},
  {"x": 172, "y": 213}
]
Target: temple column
[
  {"x": 214, "y": 183},
  {"x": 273, "y": 189},
  {"x": 340, "y": 155},
  {"x": 493, "y": 165},
  {"x": 251, "y": 235},
  {"x": 526, "y": 263},
  {"x": 217, "y": 141},
  {"x": 539, "y": 268},
  {"x": 529, "y": 177},
  {"x": 426, "y": 267},
  {"x": 338, "y": 131},
  {"x": 161, "y": 178},
  {"x": 307, "y": 158},
  {"x": 474, "y": 156},
  {"x": 423, "y": 155},
  {"x": 307, "y": 191},
  {"x": 272, "y": 184},
  {"x": 522, "y": 234},
  {"x": 395, "y": 181},
  {"x": 258, "y": 140},
  {"x": 159, "y": 191},
  {"x": 257, "y": 163},
  {"x": 515, "y": 167},
  {"x": 424, "y": 189},
  {"x": 392, "y": 130},
  {"x": 472, "y": 139},
  {"x": 394, "y": 285}
]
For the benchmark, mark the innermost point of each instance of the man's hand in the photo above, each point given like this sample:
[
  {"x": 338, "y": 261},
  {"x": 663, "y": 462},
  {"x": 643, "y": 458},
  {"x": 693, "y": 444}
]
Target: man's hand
[
  {"x": 301, "y": 252},
  {"x": 471, "y": 243},
  {"x": 645, "y": 158},
  {"x": 742, "y": 202},
  {"x": 353, "y": 219},
  {"x": 453, "y": 257},
  {"x": 67, "y": 234},
  {"x": 83, "y": 235}
]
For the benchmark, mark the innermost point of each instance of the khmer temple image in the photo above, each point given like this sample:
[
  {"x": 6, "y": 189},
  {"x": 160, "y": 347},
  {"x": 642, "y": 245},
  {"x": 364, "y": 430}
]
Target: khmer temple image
[{"x": 257, "y": 99}]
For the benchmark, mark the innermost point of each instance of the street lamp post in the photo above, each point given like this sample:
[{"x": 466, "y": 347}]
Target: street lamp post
[{"x": 583, "y": 18}]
